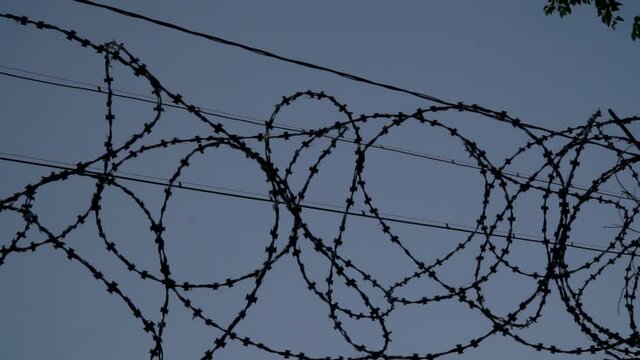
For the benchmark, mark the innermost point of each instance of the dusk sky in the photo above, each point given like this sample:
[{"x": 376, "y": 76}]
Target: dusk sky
[{"x": 502, "y": 55}]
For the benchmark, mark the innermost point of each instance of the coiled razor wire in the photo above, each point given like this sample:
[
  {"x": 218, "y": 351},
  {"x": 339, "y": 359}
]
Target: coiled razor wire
[{"x": 558, "y": 170}]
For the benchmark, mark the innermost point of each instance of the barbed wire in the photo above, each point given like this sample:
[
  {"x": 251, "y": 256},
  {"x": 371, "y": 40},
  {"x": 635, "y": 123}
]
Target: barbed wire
[{"x": 561, "y": 208}]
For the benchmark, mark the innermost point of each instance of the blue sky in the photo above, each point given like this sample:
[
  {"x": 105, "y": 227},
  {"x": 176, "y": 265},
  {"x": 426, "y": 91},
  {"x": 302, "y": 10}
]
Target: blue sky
[{"x": 504, "y": 55}]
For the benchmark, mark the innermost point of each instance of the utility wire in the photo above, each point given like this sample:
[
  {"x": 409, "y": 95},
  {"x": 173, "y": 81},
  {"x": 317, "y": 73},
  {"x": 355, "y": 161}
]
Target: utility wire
[
  {"x": 240, "y": 194},
  {"x": 245, "y": 119},
  {"x": 261, "y": 52}
]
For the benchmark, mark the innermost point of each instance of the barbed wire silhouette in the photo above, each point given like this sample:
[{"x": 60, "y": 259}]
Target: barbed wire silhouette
[{"x": 561, "y": 208}]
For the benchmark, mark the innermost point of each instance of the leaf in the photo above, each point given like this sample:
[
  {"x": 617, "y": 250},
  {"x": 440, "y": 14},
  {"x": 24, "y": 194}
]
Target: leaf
[
  {"x": 549, "y": 9},
  {"x": 635, "y": 32}
]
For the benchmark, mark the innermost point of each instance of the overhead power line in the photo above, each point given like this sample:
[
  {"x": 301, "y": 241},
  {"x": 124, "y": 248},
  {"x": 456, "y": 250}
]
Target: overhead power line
[
  {"x": 241, "y": 194},
  {"x": 84, "y": 86},
  {"x": 496, "y": 115}
]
